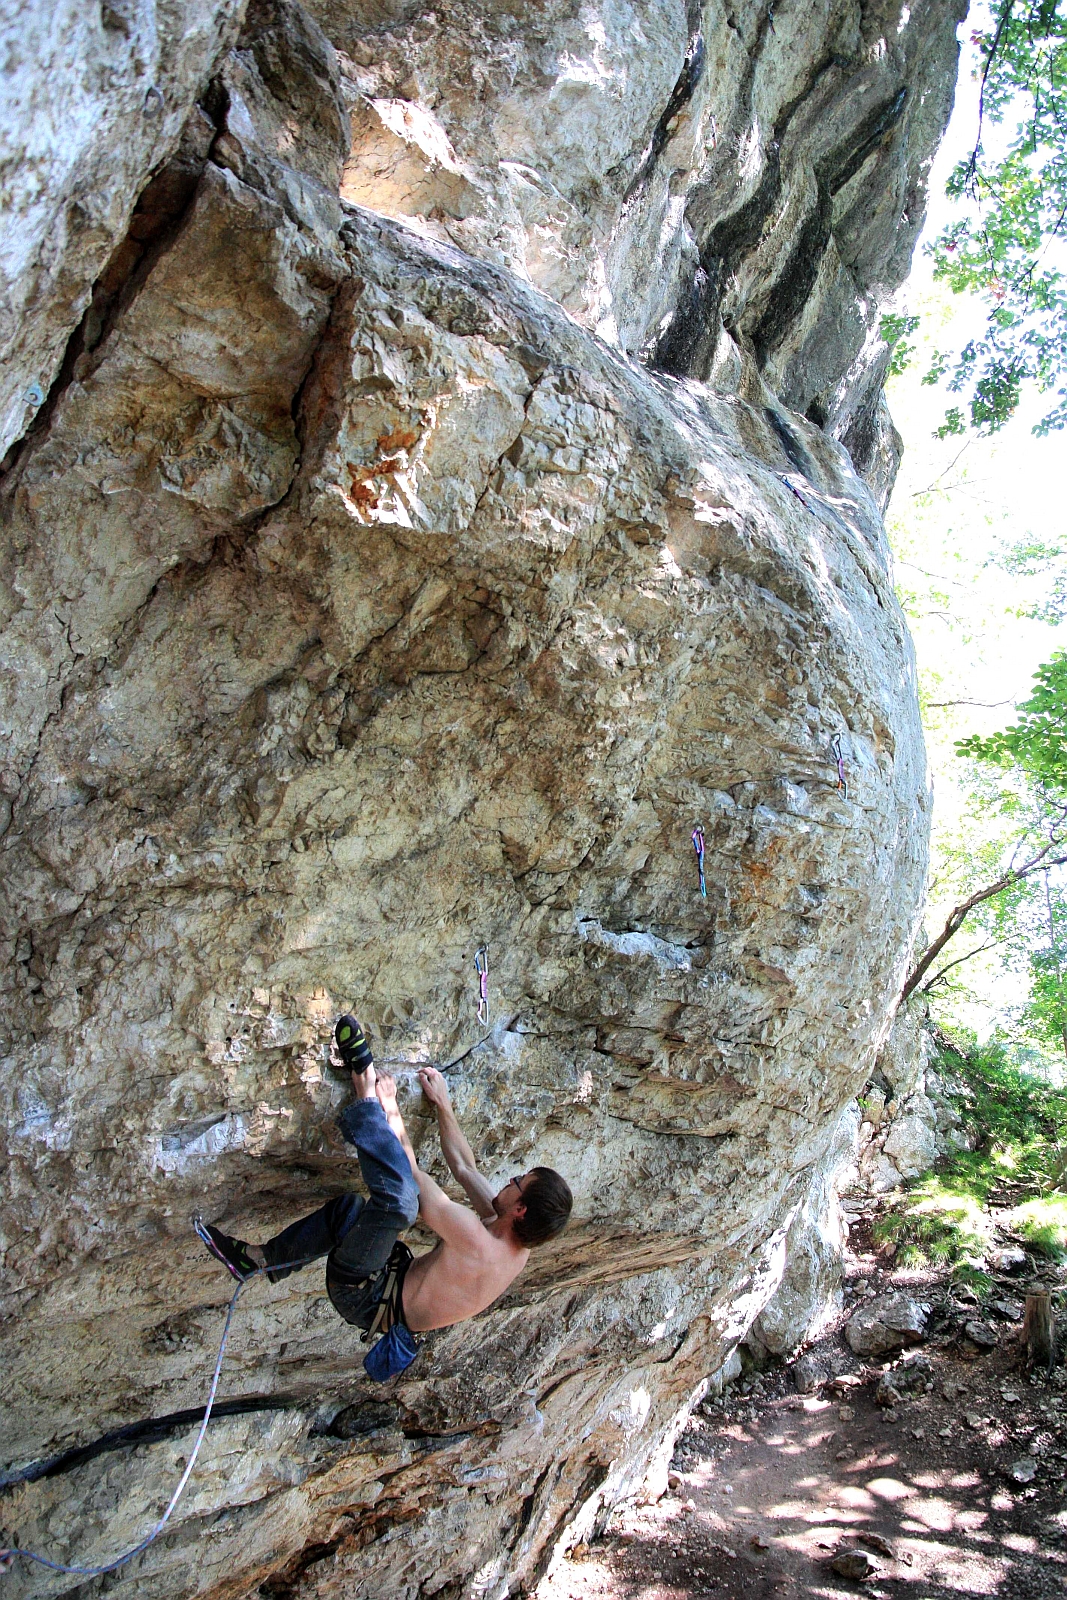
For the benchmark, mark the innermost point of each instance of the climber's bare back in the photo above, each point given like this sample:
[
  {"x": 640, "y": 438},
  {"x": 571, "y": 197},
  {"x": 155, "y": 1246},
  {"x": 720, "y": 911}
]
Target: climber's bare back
[
  {"x": 478, "y": 1255},
  {"x": 461, "y": 1275},
  {"x": 482, "y": 1250}
]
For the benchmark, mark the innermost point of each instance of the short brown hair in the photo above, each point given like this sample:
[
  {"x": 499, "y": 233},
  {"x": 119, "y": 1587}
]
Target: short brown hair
[{"x": 548, "y": 1202}]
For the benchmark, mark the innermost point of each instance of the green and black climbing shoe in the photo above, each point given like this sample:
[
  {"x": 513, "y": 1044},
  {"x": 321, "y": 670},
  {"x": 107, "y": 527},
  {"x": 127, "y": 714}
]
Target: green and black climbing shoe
[
  {"x": 233, "y": 1253},
  {"x": 351, "y": 1045}
]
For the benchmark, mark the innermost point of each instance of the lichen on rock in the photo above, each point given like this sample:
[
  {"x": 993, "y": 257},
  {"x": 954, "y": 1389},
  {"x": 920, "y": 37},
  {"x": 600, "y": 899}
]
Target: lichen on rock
[{"x": 367, "y": 599}]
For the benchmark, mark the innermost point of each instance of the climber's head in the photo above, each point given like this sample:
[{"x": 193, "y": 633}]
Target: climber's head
[{"x": 537, "y": 1204}]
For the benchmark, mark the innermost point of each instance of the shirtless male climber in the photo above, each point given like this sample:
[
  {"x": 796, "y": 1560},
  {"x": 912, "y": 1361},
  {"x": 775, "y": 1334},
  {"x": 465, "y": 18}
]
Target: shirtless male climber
[{"x": 371, "y": 1276}]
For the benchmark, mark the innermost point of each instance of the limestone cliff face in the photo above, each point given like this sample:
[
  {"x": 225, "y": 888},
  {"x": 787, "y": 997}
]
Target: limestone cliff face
[{"x": 411, "y": 549}]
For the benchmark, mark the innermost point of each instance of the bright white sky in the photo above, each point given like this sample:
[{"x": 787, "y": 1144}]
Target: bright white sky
[{"x": 963, "y": 607}]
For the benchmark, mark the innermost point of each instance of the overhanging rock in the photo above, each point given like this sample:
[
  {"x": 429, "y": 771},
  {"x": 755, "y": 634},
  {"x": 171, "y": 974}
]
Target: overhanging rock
[{"x": 364, "y": 607}]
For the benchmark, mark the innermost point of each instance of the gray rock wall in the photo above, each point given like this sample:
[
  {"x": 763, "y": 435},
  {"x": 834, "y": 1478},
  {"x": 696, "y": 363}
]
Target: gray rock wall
[
  {"x": 667, "y": 172},
  {"x": 362, "y": 606},
  {"x": 93, "y": 99},
  {"x": 908, "y": 1114}
]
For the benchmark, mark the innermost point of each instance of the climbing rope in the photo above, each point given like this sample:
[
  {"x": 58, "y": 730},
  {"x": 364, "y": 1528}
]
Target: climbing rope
[
  {"x": 839, "y": 761},
  {"x": 698, "y": 845},
  {"x": 481, "y": 967},
  {"x": 8, "y": 1553}
]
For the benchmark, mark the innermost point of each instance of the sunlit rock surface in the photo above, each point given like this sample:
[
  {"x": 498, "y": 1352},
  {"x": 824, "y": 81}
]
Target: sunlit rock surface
[
  {"x": 669, "y": 170},
  {"x": 92, "y": 99},
  {"x": 362, "y": 605}
]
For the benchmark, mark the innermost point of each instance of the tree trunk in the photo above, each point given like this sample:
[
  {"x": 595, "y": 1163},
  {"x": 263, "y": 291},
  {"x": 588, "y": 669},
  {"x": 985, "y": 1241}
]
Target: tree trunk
[{"x": 1039, "y": 1330}]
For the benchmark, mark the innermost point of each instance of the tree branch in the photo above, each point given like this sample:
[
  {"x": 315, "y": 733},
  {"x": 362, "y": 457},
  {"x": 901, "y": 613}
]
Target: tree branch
[
  {"x": 958, "y": 961},
  {"x": 930, "y": 486},
  {"x": 958, "y": 916},
  {"x": 990, "y": 705},
  {"x": 972, "y": 165}
]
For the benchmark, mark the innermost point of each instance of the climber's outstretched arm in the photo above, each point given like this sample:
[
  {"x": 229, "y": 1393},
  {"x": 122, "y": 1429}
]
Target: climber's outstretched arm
[{"x": 454, "y": 1147}]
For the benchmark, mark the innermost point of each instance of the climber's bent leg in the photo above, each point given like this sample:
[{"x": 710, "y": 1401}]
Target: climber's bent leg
[
  {"x": 386, "y": 1169},
  {"x": 312, "y": 1236},
  {"x": 356, "y": 1270},
  {"x": 358, "y": 1235},
  {"x": 393, "y": 1200}
]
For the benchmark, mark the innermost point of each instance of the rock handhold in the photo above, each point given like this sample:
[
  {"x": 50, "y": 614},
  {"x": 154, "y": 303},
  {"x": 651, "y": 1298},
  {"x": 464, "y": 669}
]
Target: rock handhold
[
  {"x": 888, "y": 1322},
  {"x": 1024, "y": 1470}
]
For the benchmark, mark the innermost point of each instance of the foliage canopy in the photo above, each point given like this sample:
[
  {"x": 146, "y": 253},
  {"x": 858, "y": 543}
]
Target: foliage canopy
[
  {"x": 1008, "y": 246},
  {"x": 1017, "y": 1128},
  {"x": 1037, "y": 742}
]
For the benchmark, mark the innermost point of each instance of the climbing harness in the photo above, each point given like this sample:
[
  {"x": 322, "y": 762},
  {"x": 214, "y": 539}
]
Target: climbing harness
[
  {"x": 839, "y": 760},
  {"x": 8, "y": 1553},
  {"x": 397, "y": 1346},
  {"x": 390, "y": 1307},
  {"x": 481, "y": 967},
  {"x": 698, "y": 845}
]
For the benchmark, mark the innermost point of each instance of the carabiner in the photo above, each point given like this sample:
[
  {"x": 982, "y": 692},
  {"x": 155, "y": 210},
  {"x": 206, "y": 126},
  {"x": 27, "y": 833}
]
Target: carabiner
[
  {"x": 839, "y": 760},
  {"x": 481, "y": 967},
  {"x": 697, "y": 837}
]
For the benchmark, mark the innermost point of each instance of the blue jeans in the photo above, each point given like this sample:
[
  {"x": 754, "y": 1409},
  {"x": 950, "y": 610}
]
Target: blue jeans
[{"x": 354, "y": 1234}]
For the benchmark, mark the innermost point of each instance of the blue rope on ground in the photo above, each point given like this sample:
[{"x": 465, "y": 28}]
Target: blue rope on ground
[{"x": 8, "y": 1554}]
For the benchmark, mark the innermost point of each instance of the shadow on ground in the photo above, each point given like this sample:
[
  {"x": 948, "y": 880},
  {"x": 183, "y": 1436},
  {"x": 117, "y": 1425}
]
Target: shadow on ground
[{"x": 769, "y": 1490}]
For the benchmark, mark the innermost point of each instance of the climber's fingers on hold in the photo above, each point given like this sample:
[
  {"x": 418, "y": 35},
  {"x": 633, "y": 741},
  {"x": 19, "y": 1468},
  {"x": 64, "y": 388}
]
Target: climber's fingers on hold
[{"x": 434, "y": 1086}]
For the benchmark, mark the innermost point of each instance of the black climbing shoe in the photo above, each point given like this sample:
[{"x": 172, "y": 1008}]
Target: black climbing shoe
[
  {"x": 351, "y": 1045},
  {"x": 233, "y": 1253}
]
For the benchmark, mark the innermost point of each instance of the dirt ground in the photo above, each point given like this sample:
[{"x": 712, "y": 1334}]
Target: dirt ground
[{"x": 957, "y": 1490}]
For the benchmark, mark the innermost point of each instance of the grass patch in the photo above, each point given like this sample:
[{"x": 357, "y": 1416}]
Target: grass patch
[
  {"x": 938, "y": 1224},
  {"x": 1018, "y": 1126},
  {"x": 1043, "y": 1224}
]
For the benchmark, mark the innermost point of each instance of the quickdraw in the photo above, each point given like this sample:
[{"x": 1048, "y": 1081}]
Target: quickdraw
[
  {"x": 839, "y": 761},
  {"x": 481, "y": 967},
  {"x": 790, "y": 485},
  {"x": 698, "y": 846}
]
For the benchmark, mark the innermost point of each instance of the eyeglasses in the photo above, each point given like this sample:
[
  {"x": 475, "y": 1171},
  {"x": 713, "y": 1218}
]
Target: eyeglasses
[{"x": 517, "y": 1180}]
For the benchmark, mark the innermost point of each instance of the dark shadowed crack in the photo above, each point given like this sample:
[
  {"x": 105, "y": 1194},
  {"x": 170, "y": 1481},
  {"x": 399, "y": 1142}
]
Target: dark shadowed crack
[
  {"x": 686, "y": 348},
  {"x": 155, "y": 223},
  {"x": 797, "y": 280},
  {"x": 149, "y": 1431},
  {"x": 287, "y": 1580},
  {"x": 680, "y": 96}
]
